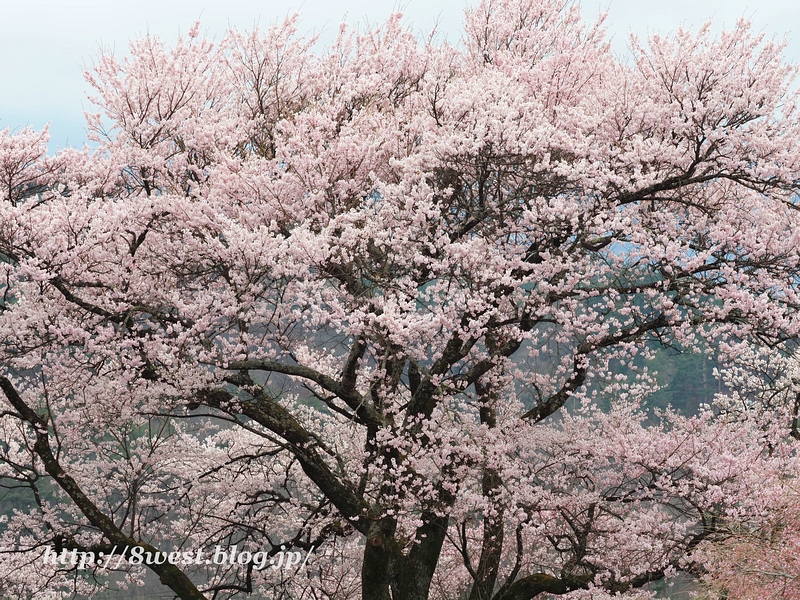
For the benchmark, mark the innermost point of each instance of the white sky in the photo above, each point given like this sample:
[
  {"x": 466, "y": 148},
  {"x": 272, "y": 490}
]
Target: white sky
[{"x": 45, "y": 44}]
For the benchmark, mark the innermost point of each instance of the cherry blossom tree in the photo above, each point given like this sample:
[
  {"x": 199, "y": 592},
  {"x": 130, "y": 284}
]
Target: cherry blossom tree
[
  {"x": 757, "y": 557},
  {"x": 757, "y": 560},
  {"x": 364, "y": 303}
]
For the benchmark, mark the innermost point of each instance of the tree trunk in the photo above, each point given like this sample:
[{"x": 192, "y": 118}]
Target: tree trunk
[
  {"x": 492, "y": 545},
  {"x": 388, "y": 574},
  {"x": 379, "y": 553}
]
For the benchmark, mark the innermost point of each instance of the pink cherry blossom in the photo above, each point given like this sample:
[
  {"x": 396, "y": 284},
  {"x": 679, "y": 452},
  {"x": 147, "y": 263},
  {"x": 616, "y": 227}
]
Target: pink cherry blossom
[{"x": 366, "y": 302}]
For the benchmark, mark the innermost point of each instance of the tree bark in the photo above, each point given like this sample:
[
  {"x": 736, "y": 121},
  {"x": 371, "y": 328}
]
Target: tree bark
[
  {"x": 493, "y": 526},
  {"x": 531, "y": 586},
  {"x": 376, "y": 567},
  {"x": 412, "y": 574},
  {"x": 491, "y": 546}
]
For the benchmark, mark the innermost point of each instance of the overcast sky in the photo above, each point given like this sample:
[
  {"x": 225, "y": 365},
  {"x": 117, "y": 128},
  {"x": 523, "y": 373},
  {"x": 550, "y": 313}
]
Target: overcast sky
[{"x": 45, "y": 44}]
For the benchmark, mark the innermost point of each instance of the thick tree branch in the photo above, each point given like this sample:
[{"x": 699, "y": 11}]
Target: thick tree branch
[
  {"x": 169, "y": 574},
  {"x": 344, "y": 390},
  {"x": 281, "y": 422}
]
